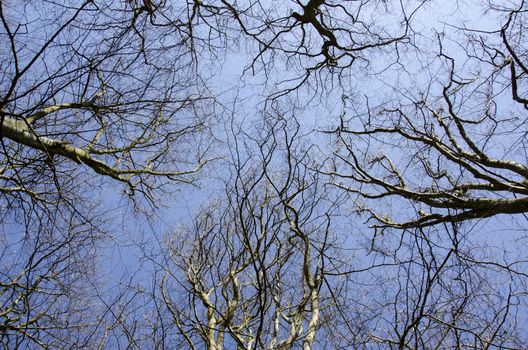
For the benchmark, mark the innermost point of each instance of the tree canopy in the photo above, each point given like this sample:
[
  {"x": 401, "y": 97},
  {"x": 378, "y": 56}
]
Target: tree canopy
[{"x": 354, "y": 174}]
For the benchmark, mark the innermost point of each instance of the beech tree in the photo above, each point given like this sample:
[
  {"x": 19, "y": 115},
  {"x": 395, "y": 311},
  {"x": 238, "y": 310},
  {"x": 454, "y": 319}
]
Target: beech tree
[
  {"x": 443, "y": 147},
  {"x": 89, "y": 90},
  {"x": 382, "y": 231},
  {"x": 314, "y": 44},
  {"x": 100, "y": 85},
  {"x": 251, "y": 271}
]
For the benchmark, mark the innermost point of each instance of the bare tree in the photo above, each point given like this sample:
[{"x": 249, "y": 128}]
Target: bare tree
[
  {"x": 422, "y": 279},
  {"x": 45, "y": 269},
  {"x": 98, "y": 93},
  {"x": 445, "y": 149},
  {"x": 432, "y": 288},
  {"x": 238, "y": 277},
  {"x": 100, "y": 85},
  {"x": 89, "y": 90},
  {"x": 425, "y": 167},
  {"x": 315, "y": 42},
  {"x": 251, "y": 271}
]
